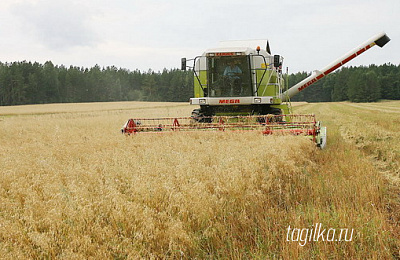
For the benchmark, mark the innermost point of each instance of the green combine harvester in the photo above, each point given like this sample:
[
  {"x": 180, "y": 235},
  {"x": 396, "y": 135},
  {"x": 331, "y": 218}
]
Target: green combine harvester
[{"x": 239, "y": 86}]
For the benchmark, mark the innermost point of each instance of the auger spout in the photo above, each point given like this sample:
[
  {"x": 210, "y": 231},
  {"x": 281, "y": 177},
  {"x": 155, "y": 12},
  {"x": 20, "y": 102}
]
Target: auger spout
[{"x": 380, "y": 39}]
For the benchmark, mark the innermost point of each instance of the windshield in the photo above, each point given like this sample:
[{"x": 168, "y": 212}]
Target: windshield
[{"x": 229, "y": 76}]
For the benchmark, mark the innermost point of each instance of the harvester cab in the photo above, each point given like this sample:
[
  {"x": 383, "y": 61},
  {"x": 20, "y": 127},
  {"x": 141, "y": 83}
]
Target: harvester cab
[
  {"x": 238, "y": 78},
  {"x": 239, "y": 86}
]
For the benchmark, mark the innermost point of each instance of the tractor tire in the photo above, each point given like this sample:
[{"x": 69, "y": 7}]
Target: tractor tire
[{"x": 199, "y": 117}]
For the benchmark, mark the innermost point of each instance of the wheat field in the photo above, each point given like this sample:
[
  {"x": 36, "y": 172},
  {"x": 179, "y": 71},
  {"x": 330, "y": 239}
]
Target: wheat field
[{"x": 73, "y": 187}]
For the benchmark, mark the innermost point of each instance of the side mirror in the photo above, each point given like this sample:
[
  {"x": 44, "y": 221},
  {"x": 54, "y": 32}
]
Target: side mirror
[
  {"x": 183, "y": 64},
  {"x": 277, "y": 61}
]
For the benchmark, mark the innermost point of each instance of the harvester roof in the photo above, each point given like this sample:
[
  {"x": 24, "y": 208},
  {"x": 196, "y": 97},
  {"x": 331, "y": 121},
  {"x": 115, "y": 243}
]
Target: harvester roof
[
  {"x": 224, "y": 51},
  {"x": 245, "y": 47}
]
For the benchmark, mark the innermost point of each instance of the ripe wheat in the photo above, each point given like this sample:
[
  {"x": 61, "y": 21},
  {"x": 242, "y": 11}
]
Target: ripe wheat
[{"x": 72, "y": 186}]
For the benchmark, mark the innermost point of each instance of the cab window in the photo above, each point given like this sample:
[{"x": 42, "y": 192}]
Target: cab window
[{"x": 229, "y": 76}]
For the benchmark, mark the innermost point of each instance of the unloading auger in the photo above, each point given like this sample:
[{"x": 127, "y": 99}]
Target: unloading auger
[{"x": 239, "y": 87}]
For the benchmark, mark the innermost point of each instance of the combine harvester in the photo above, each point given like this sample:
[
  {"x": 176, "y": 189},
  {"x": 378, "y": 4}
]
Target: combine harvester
[{"x": 242, "y": 88}]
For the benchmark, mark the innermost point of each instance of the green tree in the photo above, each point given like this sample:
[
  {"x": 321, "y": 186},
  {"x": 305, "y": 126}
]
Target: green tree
[
  {"x": 372, "y": 88},
  {"x": 150, "y": 86},
  {"x": 51, "y": 83},
  {"x": 339, "y": 80}
]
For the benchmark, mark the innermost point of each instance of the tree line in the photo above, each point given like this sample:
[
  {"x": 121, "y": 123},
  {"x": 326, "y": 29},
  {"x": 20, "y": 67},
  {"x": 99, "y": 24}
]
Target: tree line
[{"x": 34, "y": 83}]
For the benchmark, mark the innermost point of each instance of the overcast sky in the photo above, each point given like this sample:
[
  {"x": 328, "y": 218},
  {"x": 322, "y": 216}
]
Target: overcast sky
[{"x": 143, "y": 34}]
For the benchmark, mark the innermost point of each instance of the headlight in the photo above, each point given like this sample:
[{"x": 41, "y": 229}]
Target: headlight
[
  {"x": 257, "y": 100},
  {"x": 202, "y": 101}
]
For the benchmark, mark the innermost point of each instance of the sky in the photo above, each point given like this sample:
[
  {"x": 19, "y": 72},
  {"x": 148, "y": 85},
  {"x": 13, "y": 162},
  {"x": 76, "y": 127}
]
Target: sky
[{"x": 155, "y": 34}]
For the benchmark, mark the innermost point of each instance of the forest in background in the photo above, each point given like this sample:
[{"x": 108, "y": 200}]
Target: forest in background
[{"x": 34, "y": 83}]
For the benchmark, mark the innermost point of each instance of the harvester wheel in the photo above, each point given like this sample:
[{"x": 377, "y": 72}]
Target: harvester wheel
[
  {"x": 272, "y": 116},
  {"x": 199, "y": 117},
  {"x": 261, "y": 120},
  {"x": 196, "y": 114}
]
